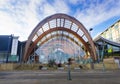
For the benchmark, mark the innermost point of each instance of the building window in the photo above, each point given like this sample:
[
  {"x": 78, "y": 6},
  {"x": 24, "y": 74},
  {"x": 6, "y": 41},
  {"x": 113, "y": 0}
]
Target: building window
[{"x": 116, "y": 26}]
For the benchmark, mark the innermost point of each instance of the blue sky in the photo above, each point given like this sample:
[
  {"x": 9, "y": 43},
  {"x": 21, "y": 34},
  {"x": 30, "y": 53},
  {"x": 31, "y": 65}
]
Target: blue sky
[{"x": 19, "y": 17}]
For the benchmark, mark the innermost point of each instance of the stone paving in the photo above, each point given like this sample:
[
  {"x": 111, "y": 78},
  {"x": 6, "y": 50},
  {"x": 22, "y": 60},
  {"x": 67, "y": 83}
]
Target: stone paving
[{"x": 59, "y": 77}]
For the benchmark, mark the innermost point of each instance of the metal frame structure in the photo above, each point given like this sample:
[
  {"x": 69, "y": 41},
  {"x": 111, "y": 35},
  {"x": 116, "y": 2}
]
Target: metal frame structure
[
  {"x": 57, "y": 25},
  {"x": 101, "y": 42}
]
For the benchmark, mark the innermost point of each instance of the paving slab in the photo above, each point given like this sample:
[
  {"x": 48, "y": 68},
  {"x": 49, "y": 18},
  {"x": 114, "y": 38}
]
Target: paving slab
[{"x": 59, "y": 77}]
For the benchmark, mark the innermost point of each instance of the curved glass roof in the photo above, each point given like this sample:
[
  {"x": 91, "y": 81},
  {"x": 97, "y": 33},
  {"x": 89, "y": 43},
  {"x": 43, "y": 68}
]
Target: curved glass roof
[
  {"x": 62, "y": 35},
  {"x": 60, "y": 23}
]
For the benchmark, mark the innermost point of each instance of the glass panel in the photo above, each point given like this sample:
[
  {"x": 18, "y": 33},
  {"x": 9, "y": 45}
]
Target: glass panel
[
  {"x": 70, "y": 35},
  {"x": 53, "y": 33},
  {"x": 54, "y": 38},
  {"x": 116, "y": 26},
  {"x": 76, "y": 39},
  {"x": 85, "y": 39},
  {"x": 67, "y": 24},
  {"x": 80, "y": 32},
  {"x": 74, "y": 27},
  {"x": 43, "y": 39},
  {"x": 40, "y": 31},
  {"x": 58, "y": 22},
  {"x": 35, "y": 37},
  {"x": 115, "y": 49},
  {"x": 80, "y": 44},
  {"x": 65, "y": 33},
  {"x": 53, "y": 23},
  {"x": 64, "y": 38},
  {"x": 59, "y": 32},
  {"x": 45, "y": 27},
  {"x": 62, "y": 22},
  {"x": 48, "y": 35}
]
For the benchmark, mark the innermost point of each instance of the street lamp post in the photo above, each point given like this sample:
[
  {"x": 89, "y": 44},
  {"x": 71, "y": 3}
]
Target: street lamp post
[
  {"x": 92, "y": 64},
  {"x": 90, "y": 30},
  {"x": 103, "y": 55}
]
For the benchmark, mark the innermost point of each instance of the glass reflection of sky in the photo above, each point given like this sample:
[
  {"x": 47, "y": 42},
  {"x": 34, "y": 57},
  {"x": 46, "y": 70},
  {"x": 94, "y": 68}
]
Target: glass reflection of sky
[{"x": 60, "y": 50}]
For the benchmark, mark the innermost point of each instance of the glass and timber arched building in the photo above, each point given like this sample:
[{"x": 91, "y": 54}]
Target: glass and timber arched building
[{"x": 59, "y": 37}]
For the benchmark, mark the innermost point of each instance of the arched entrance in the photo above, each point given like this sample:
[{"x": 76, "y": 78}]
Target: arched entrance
[{"x": 60, "y": 25}]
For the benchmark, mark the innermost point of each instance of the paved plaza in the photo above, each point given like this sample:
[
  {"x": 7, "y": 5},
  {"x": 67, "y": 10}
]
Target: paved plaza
[{"x": 59, "y": 77}]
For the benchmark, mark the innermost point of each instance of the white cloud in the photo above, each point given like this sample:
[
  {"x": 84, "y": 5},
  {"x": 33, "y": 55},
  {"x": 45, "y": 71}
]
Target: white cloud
[
  {"x": 97, "y": 13},
  {"x": 46, "y": 10},
  {"x": 56, "y": 6},
  {"x": 20, "y": 17},
  {"x": 61, "y": 6},
  {"x": 8, "y": 25}
]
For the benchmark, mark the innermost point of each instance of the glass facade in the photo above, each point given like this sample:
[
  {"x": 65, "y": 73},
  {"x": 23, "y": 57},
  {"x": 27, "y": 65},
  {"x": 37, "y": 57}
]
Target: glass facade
[
  {"x": 113, "y": 32},
  {"x": 108, "y": 42},
  {"x": 59, "y": 49},
  {"x": 5, "y": 47},
  {"x": 9, "y": 47}
]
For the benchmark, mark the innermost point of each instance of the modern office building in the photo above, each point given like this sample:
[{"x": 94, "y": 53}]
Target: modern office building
[
  {"x": 10, "y": 49},
  {"x": 113, "y": 32},
  {"x": 108, "y": 42}
]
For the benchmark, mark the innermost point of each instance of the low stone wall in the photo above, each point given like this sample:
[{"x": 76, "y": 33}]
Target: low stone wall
[
  {"x": 8, "y": 66},
  {"x": 110, "y": 63},
  {"x": 28, "y": 67},
  {"x": 14, "y": 66},
  {"x": 111, "y": 66},
  {"x": 100, "y": 66}
]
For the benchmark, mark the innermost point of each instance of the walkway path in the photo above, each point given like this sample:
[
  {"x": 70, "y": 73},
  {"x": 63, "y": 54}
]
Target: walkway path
[{"x": 59, "y": 77}]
